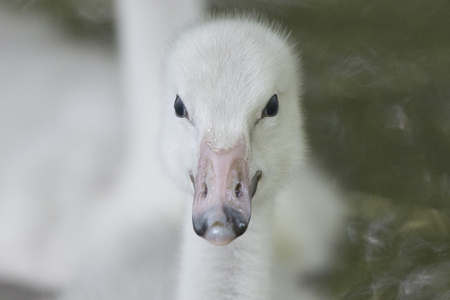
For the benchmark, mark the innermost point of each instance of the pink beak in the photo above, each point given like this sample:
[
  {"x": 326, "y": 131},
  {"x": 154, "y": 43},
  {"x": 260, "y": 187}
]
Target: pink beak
[{"x": 223, "y": 192}]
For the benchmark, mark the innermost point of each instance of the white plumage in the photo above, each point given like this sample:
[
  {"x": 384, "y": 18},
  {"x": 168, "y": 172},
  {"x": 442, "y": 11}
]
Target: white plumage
[{"x": 226, "y": 70}]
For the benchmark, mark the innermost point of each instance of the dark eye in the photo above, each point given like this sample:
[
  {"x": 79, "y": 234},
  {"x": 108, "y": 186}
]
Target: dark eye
[
  {"x": 271, "y": 108},
  {"x": 180, "y": 109}
]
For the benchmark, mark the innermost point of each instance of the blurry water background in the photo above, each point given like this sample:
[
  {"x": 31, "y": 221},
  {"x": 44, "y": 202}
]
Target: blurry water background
[{"x": 377, "y": 103}]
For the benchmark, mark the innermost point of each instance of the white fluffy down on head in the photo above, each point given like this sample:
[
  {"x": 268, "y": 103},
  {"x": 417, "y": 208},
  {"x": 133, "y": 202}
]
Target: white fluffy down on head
[{"x": 225, "y": 71}]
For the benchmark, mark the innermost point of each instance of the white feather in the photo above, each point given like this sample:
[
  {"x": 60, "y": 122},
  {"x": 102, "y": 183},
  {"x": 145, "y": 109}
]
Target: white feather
[{"x": 225, "y": 70}]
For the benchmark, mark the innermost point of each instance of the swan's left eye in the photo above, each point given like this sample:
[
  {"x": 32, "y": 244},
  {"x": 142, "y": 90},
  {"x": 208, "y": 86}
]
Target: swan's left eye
[
  {"x": 271, "y": 108},
  {"x": 180, "y": 109}
]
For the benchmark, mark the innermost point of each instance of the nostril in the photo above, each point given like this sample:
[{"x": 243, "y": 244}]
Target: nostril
[
  {"x": 238, "y": 190},
  {"x": 204, "y": 189}
]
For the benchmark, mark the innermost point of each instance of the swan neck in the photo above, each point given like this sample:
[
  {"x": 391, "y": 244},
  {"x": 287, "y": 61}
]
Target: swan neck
[{"x": 243, "y": 265}]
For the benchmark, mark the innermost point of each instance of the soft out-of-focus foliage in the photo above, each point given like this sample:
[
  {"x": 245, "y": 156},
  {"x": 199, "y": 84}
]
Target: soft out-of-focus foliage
[
  {"x": 395, "y": 251},
  {"x": 377, "y": 103},
  {"x": 377, "y": 74}
]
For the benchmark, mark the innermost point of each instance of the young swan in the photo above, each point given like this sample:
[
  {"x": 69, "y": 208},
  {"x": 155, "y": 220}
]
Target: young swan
[{"x": 232, "y": 137}]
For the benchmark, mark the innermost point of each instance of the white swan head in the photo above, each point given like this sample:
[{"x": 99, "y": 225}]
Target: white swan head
[{"x": 231, "y": 120}]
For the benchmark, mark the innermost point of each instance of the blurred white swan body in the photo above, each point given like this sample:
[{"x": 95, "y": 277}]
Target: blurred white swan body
[{"x": 236, "y": 131}]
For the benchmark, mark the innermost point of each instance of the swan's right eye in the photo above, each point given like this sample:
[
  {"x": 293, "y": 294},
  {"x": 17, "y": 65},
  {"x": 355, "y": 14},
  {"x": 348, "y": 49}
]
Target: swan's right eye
[
  {"x": 271, "y": 108},
  {"x": 180, "y": 109}
]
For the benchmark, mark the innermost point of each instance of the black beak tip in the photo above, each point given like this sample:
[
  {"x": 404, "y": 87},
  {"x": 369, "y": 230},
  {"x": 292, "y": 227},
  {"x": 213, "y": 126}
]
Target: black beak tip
[
  {"x": 240, "y": 228},
  {"x": 200, "y": 227}
]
